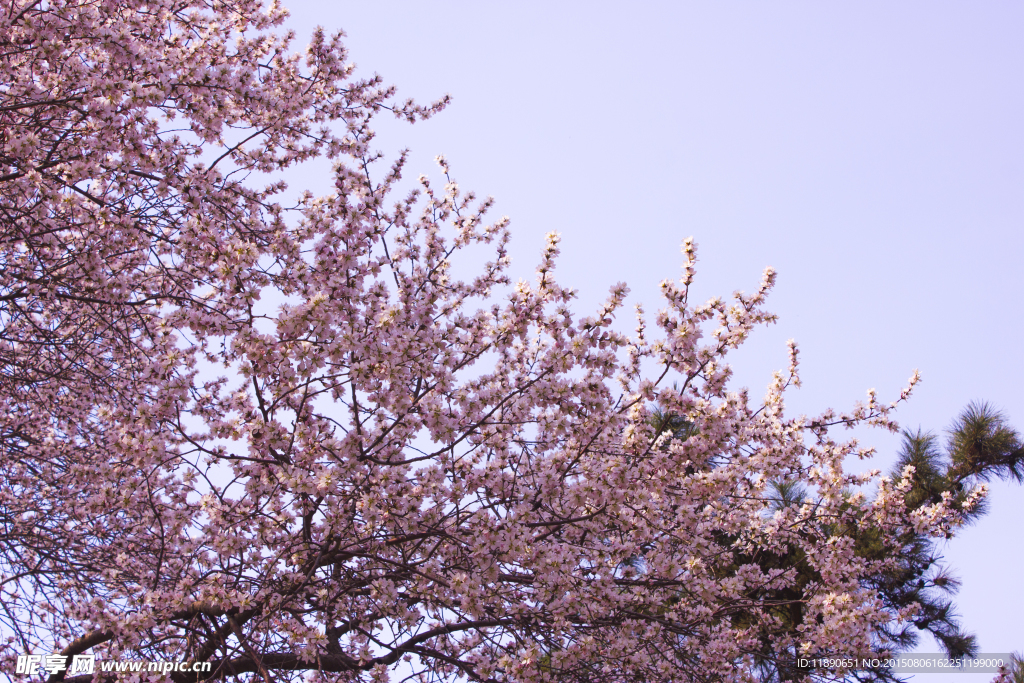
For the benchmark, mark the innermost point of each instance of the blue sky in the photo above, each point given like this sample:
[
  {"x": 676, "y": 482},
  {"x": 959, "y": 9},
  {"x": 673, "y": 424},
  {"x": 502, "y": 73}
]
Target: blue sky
[{"x": 872, "y": 152}]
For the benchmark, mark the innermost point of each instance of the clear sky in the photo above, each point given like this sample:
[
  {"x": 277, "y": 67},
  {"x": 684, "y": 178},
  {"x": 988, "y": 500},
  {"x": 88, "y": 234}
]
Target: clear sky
[{"x": 872, "y": 152}]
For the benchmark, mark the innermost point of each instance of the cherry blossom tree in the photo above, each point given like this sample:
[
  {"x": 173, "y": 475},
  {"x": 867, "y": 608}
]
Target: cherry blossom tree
[{"x": 285, "y": 439}]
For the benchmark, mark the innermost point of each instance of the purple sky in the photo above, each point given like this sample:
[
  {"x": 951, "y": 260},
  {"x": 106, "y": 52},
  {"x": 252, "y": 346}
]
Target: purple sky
[{"x": 871, "y": 152}]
